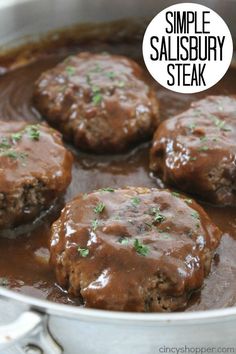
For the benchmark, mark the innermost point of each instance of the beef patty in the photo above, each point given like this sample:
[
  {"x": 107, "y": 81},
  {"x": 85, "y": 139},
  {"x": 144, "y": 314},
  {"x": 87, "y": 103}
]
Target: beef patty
[
  {"x": 100, "y": 102},
  {"x": 133, "y": 249},
  {"x": 35, "y": 168},
  {"x": 196, "y": 150}
]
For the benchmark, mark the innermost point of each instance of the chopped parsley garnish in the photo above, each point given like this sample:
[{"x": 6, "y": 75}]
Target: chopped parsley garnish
[
  {"x": 203, "y": 138},
  {"x": 4, "y": 143},
  {"x": 135, "y": 201},
  {"x": 120, "y": 84},
  {"x": 165, "y": 236},
  {"x": 192, "y": 126},
  {"x": 159, "y": 217},
  {"x": 108, "y": 189},
  {"x": 95, "y": 89},
  {"x": 140, "y": 248},
  {"x": 33, "y": 132},
  {"x": 13, "y": 154},
  {"x": 95, "y": 223},
  {"x": 97, "y": 98},
  {"x": 96, "y": 69},
  {"x": 148, "y": 224},
  {"x": 10, "y": 153},
  {"x": 193, "y": 158},
  {"x": 7, "y": 146},
  {"x": 203, "y": 148},
  {"x": 175, "y": 194},
  {"x": 84, "y": 252},
  {"x": 123, "y": 240},
  {"x": 16, "y": 136},
  {"x": 70, "y": 70},
  {"x": 110, "y": 74},
  {"x": 195, "y": 215},
  {"x": 226, "y": 129},
  {"x": 221, "y": 124},
  {"x": 99, "y": 208}
]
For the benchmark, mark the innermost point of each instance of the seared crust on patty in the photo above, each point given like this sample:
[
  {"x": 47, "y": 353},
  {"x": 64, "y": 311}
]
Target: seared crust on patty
[
  {"x": 100, "y": 102},
  {"x": 133, "y": 249},
  {"x": 35, "y": 168},
  {"x": 196, "y": 150}
]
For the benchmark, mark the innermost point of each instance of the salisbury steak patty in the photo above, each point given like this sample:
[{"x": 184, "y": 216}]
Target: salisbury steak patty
[
  {"x": 134, "y": 249},
  {"x": 34, "y": 169},
  {"x": 100, "y": 102},
  {"x": 196, "y": 150}
]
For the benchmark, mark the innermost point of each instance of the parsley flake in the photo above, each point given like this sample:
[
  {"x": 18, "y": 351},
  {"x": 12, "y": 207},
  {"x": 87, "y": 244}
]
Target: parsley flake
[
  {"x": 70, "y": 70},
  {"x": 148, "y": 224},
  {"x": 99, "y": 208},
  {"x": 193, "y": 158},
  {"x": 33, "y": 132},
  {"x": 96, "y": 69},
  {"x": 120, "y": 84},
  {"x": 159, "y": 217},
  {"x": 195, "y": 215},
  {"x": 175, "y": 194},
  {"x": 140, "y": 248},
  {"x": 220, "y": 124},
  {"x": 95, "y": 223},
  {"x": 192, "y": 126},
  {"x": 4, "y": 143},
  {"x": 135, "y": 201},
  {"x": 203, "y": 148},
  {"x": 110, "y": 74},
  {"x": 123, "y": 240},
  {"x": 84, "y": 252},
  {"x": 97, "y": 98},
  {"x": 13, "y": 154},
  {"x": 16, "y": 137},
  {"x": 108, "y": 189}
]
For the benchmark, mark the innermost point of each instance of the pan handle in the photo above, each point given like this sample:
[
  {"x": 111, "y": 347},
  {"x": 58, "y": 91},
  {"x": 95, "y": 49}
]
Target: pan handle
[{"x": 30, "y": 333}]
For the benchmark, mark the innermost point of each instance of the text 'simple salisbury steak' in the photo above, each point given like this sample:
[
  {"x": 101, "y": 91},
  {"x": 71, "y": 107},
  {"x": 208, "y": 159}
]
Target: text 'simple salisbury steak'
[
  {"x": 35, "y": 168},
  {"x": 196, "y": 150},
  {"x": 134, "y": 249},
  {"x": 100, "y": 102}
]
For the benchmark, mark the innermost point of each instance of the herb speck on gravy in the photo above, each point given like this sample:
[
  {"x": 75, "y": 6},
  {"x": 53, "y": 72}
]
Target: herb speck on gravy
[
  {"x": 8, "y": 145},
  {"x": 99, "y": 208},
  {"x": 84, "y": 252}
]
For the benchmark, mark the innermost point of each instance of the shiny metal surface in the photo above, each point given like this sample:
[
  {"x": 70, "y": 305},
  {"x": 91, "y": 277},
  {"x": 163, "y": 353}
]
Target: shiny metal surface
[{"x": 86, "y": 331}]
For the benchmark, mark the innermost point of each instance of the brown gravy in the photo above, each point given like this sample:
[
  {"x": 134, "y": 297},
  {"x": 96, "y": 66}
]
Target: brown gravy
[{"x": 24, "y": 258}]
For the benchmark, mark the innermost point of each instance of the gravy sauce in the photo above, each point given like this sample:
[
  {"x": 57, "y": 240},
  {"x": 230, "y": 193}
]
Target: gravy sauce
[{"x": 24, "y": 257}]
